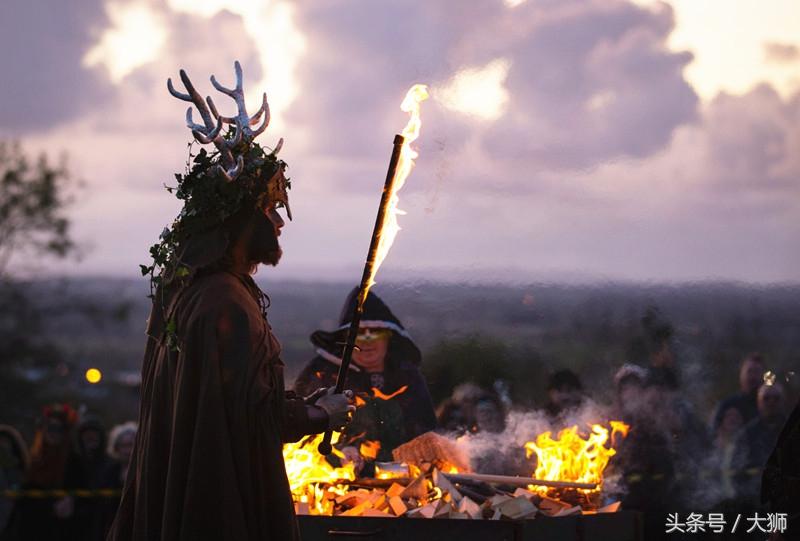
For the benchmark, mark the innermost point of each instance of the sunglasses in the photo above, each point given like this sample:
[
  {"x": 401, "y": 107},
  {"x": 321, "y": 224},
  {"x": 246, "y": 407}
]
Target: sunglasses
[{"x": 370, "y": 335}]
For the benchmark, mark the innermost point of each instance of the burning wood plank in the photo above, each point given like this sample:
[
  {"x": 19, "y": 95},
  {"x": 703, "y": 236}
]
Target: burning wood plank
[
  {"x": 518, "y": 481},
  {"x": 398, "y": 506}
]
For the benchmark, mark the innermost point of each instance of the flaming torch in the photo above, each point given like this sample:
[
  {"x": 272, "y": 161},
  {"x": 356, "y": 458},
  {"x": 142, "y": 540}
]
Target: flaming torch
[{"x": 386, "y": 226}]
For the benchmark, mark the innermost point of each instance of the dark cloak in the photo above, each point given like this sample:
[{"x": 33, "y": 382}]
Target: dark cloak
[
  {"x": 392, "y": 422},
  {"x": 208, "y": 462},
  {"x": 780, "y": 484}
]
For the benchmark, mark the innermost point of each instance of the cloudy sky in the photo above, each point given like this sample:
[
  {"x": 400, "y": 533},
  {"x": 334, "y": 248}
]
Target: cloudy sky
[{"x": 564, "y": 139}]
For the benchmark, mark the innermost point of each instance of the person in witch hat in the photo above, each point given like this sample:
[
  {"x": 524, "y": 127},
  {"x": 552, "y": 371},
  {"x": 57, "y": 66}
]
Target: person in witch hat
[{"x": 395, "y": 405}]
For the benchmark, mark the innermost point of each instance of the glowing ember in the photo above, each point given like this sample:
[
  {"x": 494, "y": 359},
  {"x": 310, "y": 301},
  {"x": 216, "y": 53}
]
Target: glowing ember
[
  {"x": 389, "y": 228},
  {"x": 369, "y": 449},
  {"x": 572, "y": 457},
  {"x": 378, "y": 394}
]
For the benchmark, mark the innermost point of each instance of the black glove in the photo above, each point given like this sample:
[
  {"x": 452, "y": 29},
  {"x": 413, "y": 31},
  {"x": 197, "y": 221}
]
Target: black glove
[{"x": 339, "y": 407}]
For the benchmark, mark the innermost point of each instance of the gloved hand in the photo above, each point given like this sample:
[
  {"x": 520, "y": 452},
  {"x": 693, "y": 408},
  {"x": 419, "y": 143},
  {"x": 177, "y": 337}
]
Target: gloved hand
[
  {"x": 339, "y": 407},
  {"x": 316, "y": 395}
]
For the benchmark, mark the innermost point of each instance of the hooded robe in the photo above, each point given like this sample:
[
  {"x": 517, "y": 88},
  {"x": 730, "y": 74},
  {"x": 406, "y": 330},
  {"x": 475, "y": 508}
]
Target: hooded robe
[
  {"x": 391, "y": 422},
  {"x": 207, "y": 462}
]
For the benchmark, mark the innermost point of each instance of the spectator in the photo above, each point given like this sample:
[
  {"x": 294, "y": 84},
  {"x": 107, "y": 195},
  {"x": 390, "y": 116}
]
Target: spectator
[
  {"x": 85, "y": 471},
  {"x": 120, "y": 447},
  {"x": 46, "y": 518},
  {"x": 119, "y": 450},
  {"x": 629, "y": 382},
  {"x": 13, "y": 463},
  {"x": 490, "y": 414},
  {"x": 658, "y": 335},
  {"x": 471, "y": 409},
  {"x": 724, "y": 435},
  {"x": 644, "y": 458},
  {"x": 564, "y": 394},
  {"x": 755, "y": 442},
  {"x": 675, "y": 415},
  {"x": 751, "y": 376}
]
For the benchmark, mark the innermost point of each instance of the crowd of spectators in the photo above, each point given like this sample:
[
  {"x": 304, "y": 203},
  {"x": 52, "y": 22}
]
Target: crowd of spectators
[{"x": 66, "y": 486}]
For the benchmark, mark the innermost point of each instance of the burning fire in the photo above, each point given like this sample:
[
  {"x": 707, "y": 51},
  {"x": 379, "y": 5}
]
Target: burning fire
[
  {"x": 571, "y": 457},
  {"x": 389, "y": 228},
  {"x": 419, "y": 487},
  {"x": 308, "y": 471}
]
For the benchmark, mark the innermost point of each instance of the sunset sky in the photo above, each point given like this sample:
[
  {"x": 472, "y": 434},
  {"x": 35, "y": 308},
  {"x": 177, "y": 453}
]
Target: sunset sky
[{"x": 564, "y": 139}]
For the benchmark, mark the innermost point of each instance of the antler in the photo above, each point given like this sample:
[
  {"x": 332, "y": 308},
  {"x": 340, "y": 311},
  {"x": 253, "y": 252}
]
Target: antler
[
  {"x": 242, "y": 119},
  {"x": 212, "y": 132}
]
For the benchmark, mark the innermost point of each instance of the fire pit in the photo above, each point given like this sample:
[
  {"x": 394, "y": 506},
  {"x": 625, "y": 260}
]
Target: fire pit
[
  {"x": 431, "y": 481},
  {"x": 621, "y": 526}
]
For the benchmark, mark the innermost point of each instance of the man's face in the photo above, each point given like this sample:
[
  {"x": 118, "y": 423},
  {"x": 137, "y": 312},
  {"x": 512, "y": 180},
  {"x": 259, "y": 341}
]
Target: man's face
[
  {"x": 54, "y": 431},
  {"x": 124, "y": 446},
  {"x": 770, "y": 401},
  {"x": 91, "y": 440},
  {"x": 264, "y": 245},
  {"x": 372, "y": 347},
  {"x": 751, "y": 376},
  {"x": 565, "y": 397}
]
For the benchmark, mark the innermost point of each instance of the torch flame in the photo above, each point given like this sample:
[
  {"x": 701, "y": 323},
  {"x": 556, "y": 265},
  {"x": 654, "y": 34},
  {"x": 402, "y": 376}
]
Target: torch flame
[{"x": 389, "y": 228}]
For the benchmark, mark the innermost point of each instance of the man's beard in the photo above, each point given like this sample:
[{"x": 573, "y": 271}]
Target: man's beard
[{"x": 272, "y": 258}]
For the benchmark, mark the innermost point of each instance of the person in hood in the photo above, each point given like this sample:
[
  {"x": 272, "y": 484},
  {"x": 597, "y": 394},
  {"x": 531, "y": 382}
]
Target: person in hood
[
  {"x": 45, "y": 518},
  {"x": 395, "y": 404},
  {"x": 84, "y": 471},
  {"x": 13, "y": 462}
]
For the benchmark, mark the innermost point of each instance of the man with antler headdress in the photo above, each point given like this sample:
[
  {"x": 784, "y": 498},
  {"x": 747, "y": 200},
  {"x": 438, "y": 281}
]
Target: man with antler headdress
[{"x": 208, "y": 460}]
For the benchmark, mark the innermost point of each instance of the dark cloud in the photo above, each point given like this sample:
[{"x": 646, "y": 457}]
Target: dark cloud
[
  {"x": 781, "y": 53},
  {"x": 752, "y": 142},
  {"x": 592, "y": 81},
  {"x": 362, "y": 58},
  {"x": 589, "y": 80},
  {"x": 43, "y": 43}
]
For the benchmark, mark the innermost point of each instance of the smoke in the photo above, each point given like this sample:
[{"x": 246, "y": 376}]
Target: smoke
[
  {"x": 503, "y": 452},
  {"x": 667, "y": 440}
]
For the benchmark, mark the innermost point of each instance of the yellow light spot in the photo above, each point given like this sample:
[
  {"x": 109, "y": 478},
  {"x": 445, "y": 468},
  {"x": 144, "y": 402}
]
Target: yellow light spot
[
  {"x": 93, "y": 375},
  {"x": 135, "y": 38},
  {"x": 478, "y": 91}
]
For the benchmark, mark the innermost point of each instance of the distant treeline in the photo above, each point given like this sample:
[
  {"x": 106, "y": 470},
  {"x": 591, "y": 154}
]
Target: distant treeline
[{"x": 467, "y": 332}]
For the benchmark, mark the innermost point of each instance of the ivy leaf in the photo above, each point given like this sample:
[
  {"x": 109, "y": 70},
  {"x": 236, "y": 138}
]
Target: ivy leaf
[
  {"x": 182, "y": 272},
  {"x": 145, "y": 269}
]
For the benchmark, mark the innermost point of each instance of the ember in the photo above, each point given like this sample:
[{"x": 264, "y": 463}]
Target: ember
[{"x": 378, "y": 394}]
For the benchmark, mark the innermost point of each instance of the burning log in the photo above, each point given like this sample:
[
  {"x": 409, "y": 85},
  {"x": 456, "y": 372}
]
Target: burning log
[{"x": 517, "y": 481}]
